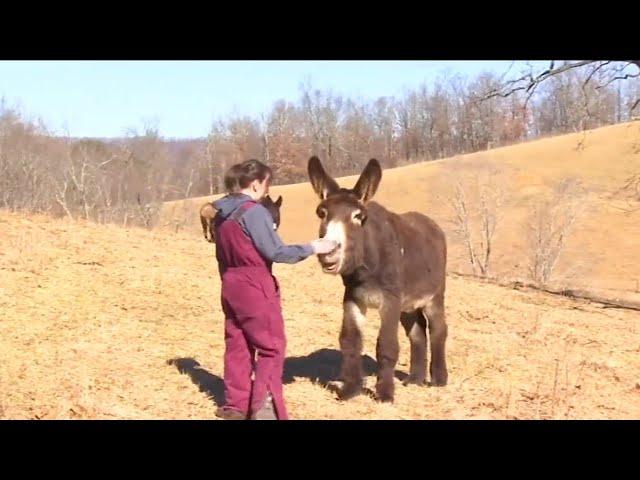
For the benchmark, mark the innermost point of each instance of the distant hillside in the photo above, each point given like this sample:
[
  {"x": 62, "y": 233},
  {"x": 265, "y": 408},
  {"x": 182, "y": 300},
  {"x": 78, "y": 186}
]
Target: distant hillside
[{"x": 602, "y": 249}]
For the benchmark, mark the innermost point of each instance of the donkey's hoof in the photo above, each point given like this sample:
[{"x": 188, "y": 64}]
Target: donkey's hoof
[
  {"x": 414, "y": 380},
  {"x": 348, "y": 392},
  {"x": 384, "y": 394},
  {"x": 385, "y": 397},
  {"x": 439, "y": 377},
  {"x": 438, "y": 382}
]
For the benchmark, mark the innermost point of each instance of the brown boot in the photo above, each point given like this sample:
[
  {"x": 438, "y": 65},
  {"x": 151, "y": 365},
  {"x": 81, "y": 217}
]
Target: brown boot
[
  {"x": 229, "y": 414},
  {"x": 267, "y": 412}
]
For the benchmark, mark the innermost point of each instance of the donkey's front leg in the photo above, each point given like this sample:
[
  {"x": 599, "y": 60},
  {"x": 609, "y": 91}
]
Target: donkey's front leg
[
  {"x": 387, "y": 347},
  {"x": 351, "y": 346}
]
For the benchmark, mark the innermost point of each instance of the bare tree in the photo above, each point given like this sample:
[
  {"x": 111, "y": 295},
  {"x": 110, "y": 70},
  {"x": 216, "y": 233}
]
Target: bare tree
[
  {"x": 383, "y": 121},
  {"x": 323, "y": 114},
  {"x": 216, "y": 164},
  {"x": 356, "y": 134},
  {"x": 62, "y": 187},
  {"x": 147, "y": 212},
  {"x": 115, "y": 180},
  {"x": 285, "y": 146},
  {"x": 549, "y": 226},
  {"x": 462, "y": 219},
  {"x": 633, "y": 187},
  {"x": 630, "y": 191},
  {"x": 600, "y": 75},
  {"x": 475, "y": 203},
  {"x": 82, "y": 179},
  {"x": 531, "y": 80}
]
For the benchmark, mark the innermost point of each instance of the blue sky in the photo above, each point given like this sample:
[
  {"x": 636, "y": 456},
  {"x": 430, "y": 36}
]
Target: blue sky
[{"x": 183, "y": 98}]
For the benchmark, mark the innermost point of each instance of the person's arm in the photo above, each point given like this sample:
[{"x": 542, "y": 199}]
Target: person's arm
[{"x": 258, "y": 224}]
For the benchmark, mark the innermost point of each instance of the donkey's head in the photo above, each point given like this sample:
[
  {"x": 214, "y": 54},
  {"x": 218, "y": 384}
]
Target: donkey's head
[
  {"x": 343, "y": 215},
  {"x": 273, "y": 208}
]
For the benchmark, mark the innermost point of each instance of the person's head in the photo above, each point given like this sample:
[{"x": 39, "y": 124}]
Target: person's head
[
  {"x": 231, "y": 179},
  {"x": 250, "y": 177}
]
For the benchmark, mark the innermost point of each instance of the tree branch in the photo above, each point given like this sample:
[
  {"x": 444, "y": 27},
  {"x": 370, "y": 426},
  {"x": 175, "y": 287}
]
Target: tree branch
[
  {"x": 628, "y": 75},
  {"x": 593, "y": 73},
  {"x": 529, "y": 82}
]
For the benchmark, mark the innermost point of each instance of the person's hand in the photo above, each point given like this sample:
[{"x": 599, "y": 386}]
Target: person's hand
[{"x": 323, "y": 246}]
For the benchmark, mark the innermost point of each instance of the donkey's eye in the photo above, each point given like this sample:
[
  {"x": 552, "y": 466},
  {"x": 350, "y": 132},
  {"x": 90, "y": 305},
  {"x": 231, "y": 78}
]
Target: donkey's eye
[{"x": 358, "y": 217}]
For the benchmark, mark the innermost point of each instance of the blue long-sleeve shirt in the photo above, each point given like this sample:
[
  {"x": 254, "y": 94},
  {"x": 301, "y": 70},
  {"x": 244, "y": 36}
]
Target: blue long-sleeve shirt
[{"x": 257, "y": 223}]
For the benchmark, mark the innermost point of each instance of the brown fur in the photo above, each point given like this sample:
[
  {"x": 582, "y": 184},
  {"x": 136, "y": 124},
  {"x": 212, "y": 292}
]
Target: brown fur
[
  {"x": 393, "y": 262},
  {"x": 208, "y": 212}
]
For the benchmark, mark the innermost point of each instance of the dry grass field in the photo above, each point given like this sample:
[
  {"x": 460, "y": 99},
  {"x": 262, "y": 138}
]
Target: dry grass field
[{"x": 101, "y": 322}]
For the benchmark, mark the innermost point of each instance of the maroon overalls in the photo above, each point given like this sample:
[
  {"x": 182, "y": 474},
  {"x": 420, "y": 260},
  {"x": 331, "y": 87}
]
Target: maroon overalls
[{"x": 254, "y": 326}]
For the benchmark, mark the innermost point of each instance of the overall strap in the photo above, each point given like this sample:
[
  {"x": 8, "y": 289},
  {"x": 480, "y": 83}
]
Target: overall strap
[{"x": 241, "y": 210}]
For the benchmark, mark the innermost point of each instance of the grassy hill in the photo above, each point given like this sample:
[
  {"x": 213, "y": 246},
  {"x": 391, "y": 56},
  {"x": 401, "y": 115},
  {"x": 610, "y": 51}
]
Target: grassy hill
[
  {"x": 105, "y": 322},
  {"x": 602, "y": 249}
]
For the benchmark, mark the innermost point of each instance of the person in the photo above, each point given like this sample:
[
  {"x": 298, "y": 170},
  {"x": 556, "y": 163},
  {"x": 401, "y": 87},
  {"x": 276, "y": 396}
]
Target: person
[{"x": 255, "y": 341}]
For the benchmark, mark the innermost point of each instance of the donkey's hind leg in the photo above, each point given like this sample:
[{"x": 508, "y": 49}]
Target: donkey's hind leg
[
  {"x": 205, "y": 227},
  {"x": 212, "y": 232},
  {"x": 438, "y": 337},
  {"x": 415, "y": 324}
]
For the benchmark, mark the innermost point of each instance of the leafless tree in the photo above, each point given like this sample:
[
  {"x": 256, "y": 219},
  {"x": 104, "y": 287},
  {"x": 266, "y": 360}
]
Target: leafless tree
[
  {"x": 630, "y": 191},
  {"x": 323, "y": 113},
  {"x": 383, "y": 121},
  {"x": 550, "y": 224},
  {"x": 62, "y": 187},
  {"x": 112, "y": 180},
  {"x": 475, "y": 202},
  {"x": 531, "y": 80}
]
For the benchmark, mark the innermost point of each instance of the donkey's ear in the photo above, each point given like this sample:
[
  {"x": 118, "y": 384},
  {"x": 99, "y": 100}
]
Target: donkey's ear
[
  {"x": 279, "y": 201},
  {"x": 322, "y": 183},
  {"x": 368, "y": 182}
]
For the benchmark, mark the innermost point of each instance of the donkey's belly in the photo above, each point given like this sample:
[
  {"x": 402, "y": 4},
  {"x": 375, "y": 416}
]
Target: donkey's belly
[
  {"x": 373, "y": 298},
  {"x": 412, "y": 303}
]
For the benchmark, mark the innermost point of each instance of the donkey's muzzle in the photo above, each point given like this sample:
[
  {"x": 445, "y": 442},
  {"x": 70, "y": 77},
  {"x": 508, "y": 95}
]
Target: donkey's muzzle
[{"x": 330, "y": 261}]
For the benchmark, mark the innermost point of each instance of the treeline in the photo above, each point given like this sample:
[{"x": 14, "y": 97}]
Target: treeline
[{"x": 125, "y": 180}]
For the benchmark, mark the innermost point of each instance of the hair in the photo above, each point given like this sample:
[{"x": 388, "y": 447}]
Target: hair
[
  {"x": 241, "y": 175},
  {"x": 231, "y": 179}
]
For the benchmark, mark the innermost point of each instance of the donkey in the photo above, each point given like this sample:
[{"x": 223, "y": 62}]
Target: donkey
[
  {"x": 208, "y": 212},
  {"x": 394, "y": 263}
]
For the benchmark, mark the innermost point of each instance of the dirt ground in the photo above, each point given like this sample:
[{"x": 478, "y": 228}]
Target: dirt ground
[{"x": 99, "y": 322}]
